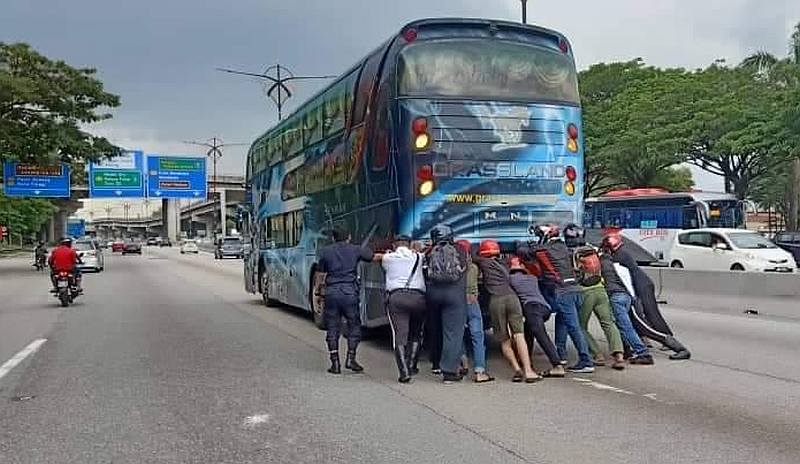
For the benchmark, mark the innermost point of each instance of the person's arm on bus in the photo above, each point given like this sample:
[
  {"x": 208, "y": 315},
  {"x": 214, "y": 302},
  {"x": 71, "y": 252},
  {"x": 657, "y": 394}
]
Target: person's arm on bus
[
  {"x": 366, "y": 254},
  {"x": 319, "y": 275}
]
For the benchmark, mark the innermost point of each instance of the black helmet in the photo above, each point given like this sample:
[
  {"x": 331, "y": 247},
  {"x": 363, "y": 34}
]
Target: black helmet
[
  {"x": 66, "y": 241},
  {"x": 441, "y": 232},
  {"x": 574, "y": 236}
]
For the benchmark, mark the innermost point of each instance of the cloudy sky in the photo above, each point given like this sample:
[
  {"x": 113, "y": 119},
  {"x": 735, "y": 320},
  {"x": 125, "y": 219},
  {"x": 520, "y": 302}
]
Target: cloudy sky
[{"x": 160, "y": 56}]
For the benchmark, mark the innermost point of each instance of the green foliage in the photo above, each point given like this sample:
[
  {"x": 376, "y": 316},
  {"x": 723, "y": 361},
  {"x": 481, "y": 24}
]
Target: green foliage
[
  {"x": 24, "y": 217},
  {"x": 43, "y": 106}
]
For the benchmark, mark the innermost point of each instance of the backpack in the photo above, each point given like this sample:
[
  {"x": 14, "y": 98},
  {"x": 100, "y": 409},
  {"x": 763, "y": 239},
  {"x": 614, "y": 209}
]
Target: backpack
[
  {"x": 587, "y": 266},
  {"x": 445, "y": 264}
]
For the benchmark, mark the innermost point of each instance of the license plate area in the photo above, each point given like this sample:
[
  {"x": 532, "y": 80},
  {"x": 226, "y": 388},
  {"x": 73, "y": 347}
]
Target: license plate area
[{"x": 63, "y": 284}]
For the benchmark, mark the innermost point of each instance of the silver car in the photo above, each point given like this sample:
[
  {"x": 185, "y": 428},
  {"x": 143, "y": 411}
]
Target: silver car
[{"x": 91, "y": 255}]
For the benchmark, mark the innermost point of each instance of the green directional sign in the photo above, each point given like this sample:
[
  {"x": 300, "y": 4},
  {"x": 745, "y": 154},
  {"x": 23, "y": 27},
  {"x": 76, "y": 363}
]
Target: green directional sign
[
  {"x": 180, "y": 164},
  {"x": 116, "y": 179}
]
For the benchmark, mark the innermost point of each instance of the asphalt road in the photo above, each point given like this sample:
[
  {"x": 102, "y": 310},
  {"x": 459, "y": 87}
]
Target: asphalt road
[{"x": 167, "y": 359}]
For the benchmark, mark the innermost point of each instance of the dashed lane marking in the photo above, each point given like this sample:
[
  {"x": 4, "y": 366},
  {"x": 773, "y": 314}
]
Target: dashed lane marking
[
  {"x": 19, "y": 357},
  {"x": 611, "y": 388},
  {"x": 253, "y": 421}
]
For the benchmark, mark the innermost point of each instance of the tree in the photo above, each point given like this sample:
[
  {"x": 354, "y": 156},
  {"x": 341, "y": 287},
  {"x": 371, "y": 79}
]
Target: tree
[
  {"x": 24, "y": 217},
  {"x": 43, "y": 106}
]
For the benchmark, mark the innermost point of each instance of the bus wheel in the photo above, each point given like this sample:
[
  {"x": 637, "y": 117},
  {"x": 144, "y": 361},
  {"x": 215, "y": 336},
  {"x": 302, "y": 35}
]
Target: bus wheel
[
  {"x": 676, "y": 265},
  {"x": 317, "y": 303},
  {"x": 737, "y": 267},
  {"x": 264, "y": 287}
]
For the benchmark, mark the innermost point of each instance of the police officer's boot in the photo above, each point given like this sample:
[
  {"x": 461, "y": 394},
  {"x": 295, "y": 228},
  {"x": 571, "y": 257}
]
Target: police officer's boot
[
  {"x": 413, "y": 357},
  {"x": 336, "y": 367},
  {"x": 351, "y": 362},
  {"x": 680, "y": 351},
  {"x": 402, "y": 364}
]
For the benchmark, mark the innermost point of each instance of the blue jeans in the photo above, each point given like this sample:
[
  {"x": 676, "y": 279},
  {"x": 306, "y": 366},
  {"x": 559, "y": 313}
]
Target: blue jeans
[
  {"x": 477, "y": 350},
  {"x": 567, "y": 305},
  {"x": 621, "y": 304}
]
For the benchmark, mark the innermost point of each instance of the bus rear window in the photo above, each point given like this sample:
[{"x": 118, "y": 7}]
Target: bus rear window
[{"x": 484, "y": 69}]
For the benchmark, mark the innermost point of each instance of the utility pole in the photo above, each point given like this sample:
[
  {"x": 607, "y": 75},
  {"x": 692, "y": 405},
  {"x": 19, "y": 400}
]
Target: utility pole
[
  {"x": 524, "y": 11},
  {"x": 275, "y": 88},
  {"x": 794, "y": 187},
  {"x": 214, "y": 146}
]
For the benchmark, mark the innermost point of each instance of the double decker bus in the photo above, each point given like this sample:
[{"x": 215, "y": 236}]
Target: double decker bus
[
  {"x": 651, "y": 216},
  {"x": 469, "y": 122}
]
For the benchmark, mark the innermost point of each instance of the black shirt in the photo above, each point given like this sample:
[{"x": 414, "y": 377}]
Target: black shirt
[
  {"x": 495, "y": 276},
  {"x": 340, "y": 263}
]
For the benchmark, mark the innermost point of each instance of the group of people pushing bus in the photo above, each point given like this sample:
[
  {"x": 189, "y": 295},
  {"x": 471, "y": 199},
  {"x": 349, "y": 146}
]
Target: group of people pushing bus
[{"x": 433, "y": 301}]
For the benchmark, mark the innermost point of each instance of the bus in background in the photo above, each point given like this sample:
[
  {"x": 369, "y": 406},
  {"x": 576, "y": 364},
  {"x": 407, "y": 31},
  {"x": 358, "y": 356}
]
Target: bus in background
[
  {"x": 473, "y": 123},
  {"x": 651, "y": 217}
]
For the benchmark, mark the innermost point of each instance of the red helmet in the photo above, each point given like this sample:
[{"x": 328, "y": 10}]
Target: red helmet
[
  {"x": 465, "y": 245},
  {"x": 612, "y": 242},
  {"x": 515, "y": 264},
  {"x": 489, "y": 248}
]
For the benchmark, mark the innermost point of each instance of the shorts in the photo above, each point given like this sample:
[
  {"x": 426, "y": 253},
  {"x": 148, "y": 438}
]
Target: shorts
[{"x": 506, "y": 313}]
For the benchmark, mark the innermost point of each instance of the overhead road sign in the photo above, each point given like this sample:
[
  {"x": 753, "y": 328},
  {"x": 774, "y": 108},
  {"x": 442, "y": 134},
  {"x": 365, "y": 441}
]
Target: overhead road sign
[
  {"x": 118, "y": 177},
  {"x": 176, "y": 177},
  {"x": 28, "y": 180}
]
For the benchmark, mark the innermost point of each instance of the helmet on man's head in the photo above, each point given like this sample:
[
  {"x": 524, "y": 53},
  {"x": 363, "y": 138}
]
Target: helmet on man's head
[
  {"x": 545, "y": 232},
  {"x": 66, "y": 241},
  {"x": 612, "y": 242},
  {"x": 465, "y": 245},
  {"x": 489, "y": 249},
  {"x": 441, "y": 232},
  {"x": 515, "y": 264},
  {"x": 574, "y": 235}
]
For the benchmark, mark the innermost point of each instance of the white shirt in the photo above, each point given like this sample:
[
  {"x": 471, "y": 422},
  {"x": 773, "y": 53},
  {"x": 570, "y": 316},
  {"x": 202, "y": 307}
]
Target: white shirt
[
  {"x": 625, "y": 275},
  {"x": 398, "y": 265}
]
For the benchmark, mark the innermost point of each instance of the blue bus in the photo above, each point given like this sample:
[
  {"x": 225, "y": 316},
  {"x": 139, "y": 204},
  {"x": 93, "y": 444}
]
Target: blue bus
[
  {"x": 652, "y": 217},
  {"x": 470, "y": 122}
]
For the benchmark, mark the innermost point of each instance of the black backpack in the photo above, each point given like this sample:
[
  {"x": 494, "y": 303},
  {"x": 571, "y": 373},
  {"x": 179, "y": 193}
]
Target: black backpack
[{"x": 445, "y": 263}]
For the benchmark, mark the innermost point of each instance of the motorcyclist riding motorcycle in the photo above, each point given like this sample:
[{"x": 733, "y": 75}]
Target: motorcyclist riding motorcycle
[
  {"x": 40, "y": 255},
  {"x": 65, "y": 259}
]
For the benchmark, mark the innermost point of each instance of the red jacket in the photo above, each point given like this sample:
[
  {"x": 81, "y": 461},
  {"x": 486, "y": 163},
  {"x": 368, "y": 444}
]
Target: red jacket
[{"x": 63, "y": 258}]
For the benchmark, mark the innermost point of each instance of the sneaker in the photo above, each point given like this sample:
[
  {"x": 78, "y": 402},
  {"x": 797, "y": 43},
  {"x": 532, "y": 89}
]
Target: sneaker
[
  {"x": 448, "y": 377},
  {"x": 581, "y": 369},
  {"x": 645, "y": 360}
]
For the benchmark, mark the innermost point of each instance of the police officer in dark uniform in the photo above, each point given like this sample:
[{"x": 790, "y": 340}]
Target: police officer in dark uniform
[{"x": 339, "y": 264}]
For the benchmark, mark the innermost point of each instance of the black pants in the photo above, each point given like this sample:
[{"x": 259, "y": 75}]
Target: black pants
[
  {"x": 646, "y": 292},
  {"x": 342, "y": 301},
  {"x": 451, "y": 302},
  {"x": 535, "y": 317},
  {"x": 433, "y": 335},
  {"x": 406, "y": 311}
]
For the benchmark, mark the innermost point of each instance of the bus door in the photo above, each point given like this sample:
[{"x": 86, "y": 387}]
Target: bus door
[{"x": 297, "y": 266}]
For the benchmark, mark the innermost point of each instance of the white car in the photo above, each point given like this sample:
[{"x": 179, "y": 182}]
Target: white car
[
  {"x": 91, "y": 255},
  {"x": 728, "y": 250},
  {"x": 189, "y": 246}
]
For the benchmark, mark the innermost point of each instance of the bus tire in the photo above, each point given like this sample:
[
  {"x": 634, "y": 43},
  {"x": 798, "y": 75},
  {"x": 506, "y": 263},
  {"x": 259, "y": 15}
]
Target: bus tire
[
  {"x": 737, "y": 267},
  {"x": 317, "y": 305},
  {"x": 676, "y": 265}
]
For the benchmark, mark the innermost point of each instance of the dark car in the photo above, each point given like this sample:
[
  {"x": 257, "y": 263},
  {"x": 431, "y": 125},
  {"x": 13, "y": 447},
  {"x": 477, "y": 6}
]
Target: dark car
[
  {"x": 229, "y": 247},
  {"x": 164, "y": 242},
  {"x": 132, "y": 247},
  {"x": 789, "y": 241}
]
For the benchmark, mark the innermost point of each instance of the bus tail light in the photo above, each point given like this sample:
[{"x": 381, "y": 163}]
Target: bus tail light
[
  {"x": 425, "y": 177},
  {"x": 569, "y": 185},
  {"x": 422, "y": 138},
  {"x": 572, "y": 138},
  {"x": 410, "y": 34}
]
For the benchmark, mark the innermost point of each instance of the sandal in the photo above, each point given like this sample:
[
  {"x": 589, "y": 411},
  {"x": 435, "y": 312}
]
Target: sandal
[
  {"x": 538, "y": 378},
  {"x": 486, "y": 379},
  {"x": 518, "y": 377}
]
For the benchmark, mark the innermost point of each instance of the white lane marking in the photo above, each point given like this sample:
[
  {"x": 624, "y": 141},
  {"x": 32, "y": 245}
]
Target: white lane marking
[
  {"x": 19, "y": 357},
  {"x": 602, "y": 386},
  {"x": 252, "y": 421}
]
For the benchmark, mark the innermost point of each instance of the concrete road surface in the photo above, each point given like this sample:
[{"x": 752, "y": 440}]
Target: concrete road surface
[{"x": 167, "y": 359}]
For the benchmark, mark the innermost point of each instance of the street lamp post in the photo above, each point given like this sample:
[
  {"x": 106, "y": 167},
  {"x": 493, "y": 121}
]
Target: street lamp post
[
  {"x": 277, "y": 76},
  {"x": 524, "y": 11}
]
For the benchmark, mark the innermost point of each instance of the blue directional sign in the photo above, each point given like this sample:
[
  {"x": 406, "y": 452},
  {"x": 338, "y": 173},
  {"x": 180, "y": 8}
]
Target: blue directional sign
[
  {"x": 176, "y": 177},
  {"x": 118, "y": 177},
  {"x": 27, "y": 180}
]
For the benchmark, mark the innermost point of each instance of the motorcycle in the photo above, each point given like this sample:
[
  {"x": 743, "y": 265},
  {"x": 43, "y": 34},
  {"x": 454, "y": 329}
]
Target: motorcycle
[
  {"x": 40, "y": 262},
  {"x": 66, "y": 290}
]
